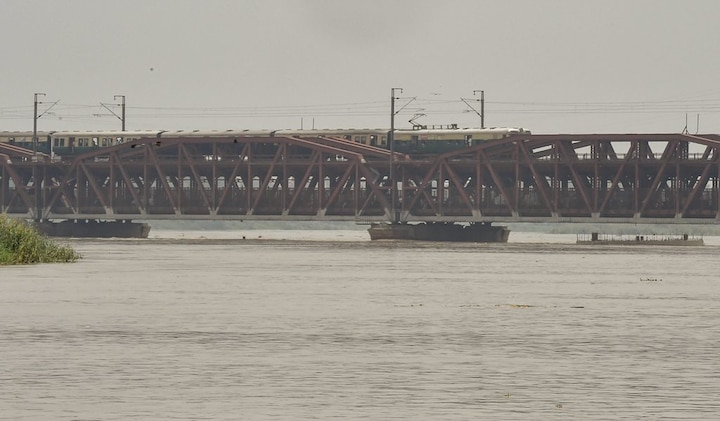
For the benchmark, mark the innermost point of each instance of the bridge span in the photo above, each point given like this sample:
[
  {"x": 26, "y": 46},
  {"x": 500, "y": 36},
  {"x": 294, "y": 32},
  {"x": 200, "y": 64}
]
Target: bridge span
[{"x": 624, "y": 178}]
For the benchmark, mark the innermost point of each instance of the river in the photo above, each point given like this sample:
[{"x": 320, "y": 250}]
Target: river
[{"x": 296, "y": 325}]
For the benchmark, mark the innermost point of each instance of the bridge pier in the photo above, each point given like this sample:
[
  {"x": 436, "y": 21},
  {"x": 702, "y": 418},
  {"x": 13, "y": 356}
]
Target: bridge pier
[
  {"x": 439, "y": 231},
  {"x": 94, "y": 228}
]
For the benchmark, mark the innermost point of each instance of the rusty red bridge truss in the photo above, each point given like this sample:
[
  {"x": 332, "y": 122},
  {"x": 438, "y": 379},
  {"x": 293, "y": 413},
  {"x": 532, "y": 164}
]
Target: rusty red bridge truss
[{"x": 629, "y": 178}]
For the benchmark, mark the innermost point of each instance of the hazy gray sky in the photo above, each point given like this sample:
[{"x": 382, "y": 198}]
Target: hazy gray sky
[{"x": 549, "y": 66}]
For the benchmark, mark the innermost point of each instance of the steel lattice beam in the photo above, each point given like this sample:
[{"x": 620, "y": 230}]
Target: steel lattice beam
[{"x": 637, "y": 178}]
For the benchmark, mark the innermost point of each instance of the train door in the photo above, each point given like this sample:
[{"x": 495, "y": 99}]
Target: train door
[
  {"x": 56, "y": 143},
  {"x": 468, "y": 140}
]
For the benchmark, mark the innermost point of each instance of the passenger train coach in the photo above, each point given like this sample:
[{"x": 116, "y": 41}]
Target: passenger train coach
[
  {"x": 74, "y": 142},
  {"x": 421, "y": 140}
]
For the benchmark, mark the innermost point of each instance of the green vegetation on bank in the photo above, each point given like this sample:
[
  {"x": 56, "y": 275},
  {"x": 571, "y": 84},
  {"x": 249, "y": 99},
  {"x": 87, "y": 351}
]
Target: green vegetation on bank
[{"x": 20, "y": 243}]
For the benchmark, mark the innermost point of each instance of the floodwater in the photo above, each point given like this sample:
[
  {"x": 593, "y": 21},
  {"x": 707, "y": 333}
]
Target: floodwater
[{"x": 328, "y": 325}]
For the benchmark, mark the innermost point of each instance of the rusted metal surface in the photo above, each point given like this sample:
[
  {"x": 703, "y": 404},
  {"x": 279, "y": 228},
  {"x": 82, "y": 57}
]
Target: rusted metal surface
[
  {"x": 615, "y": 177},
  {"x": 218, "y": 178},
  {"x": 638, "y": 178}
]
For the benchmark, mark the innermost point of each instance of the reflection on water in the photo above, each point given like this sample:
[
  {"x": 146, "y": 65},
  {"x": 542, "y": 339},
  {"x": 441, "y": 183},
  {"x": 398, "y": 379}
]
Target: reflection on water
[{"x": 318, "y": 325}]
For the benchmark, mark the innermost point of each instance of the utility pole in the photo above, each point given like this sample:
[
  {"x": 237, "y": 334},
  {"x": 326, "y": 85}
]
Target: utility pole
[
  {"x": 120, "y": 117},
  {"x": 391, "y": 140},
  {"x": 122, "y": 104},
  {"x": 482, "y": 108},
  {"x": 37, "y": 184},
  {"x": 35, "y": 119},
  {"x": 36, "y": 181}
]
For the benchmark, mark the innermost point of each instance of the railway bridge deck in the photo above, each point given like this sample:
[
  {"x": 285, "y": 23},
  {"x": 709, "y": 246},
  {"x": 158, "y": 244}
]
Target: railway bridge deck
[{"x": 624, "y": 178}]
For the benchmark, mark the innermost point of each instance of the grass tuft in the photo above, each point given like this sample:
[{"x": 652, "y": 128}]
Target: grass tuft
[{"x": 21, "y": 243}]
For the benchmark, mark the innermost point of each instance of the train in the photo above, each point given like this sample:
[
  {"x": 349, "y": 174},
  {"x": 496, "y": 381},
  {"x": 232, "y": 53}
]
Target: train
[{"x": 418, "y": 140}]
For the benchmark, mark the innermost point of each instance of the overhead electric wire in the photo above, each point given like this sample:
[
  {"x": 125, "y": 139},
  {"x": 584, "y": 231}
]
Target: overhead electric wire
[{"x": 428, "y": 106}]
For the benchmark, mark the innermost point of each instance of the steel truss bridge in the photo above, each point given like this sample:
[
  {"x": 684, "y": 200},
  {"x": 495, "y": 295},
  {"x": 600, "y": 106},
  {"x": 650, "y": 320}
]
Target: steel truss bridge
[{"x": 625, "y": 178}]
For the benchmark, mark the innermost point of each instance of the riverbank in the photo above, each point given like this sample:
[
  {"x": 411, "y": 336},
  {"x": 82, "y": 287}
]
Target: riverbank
[{"x": 21, "y": 244}]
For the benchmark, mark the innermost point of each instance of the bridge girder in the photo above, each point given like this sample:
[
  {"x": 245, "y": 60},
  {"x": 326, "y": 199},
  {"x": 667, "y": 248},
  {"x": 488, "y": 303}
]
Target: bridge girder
[
  {"x": 638, "y": 178},
  {"x": 535, "y": 178}
]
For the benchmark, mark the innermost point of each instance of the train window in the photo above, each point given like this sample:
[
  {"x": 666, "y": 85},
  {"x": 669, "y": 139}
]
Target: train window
[
  {"x": 383, "y": 140},
  {"x": 363, "y": 139},
  {"x": 95, "y": 141},
  {"x": 118, "y": 140}
]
